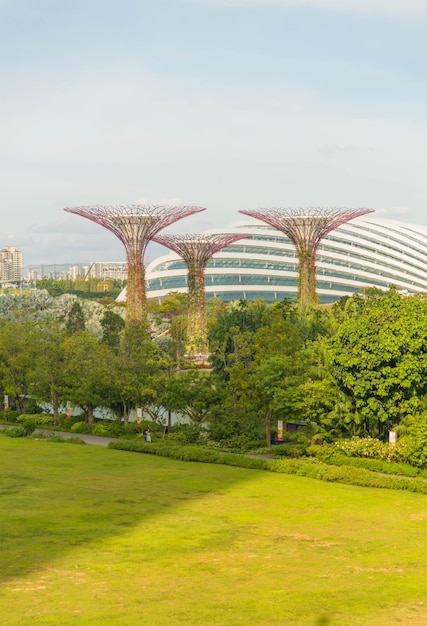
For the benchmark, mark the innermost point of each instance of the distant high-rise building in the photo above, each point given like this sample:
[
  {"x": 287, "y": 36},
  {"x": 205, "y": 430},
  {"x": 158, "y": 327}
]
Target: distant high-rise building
[
  {"x": 105, "y": 270},
  {"x": 10, "y": 264}
]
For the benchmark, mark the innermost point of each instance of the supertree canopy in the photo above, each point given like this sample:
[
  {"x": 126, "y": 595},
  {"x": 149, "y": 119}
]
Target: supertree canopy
[
  {"x": 306, "y": 228},
  {"x": 135, "y": 225},
  {"x": 196, "y": 250}
]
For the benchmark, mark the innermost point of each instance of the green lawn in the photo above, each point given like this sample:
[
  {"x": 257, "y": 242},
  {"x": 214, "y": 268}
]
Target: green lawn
[{"x": 97, "y": 536}]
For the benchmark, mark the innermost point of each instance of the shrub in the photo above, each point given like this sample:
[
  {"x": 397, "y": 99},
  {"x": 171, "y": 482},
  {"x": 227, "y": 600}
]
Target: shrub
[
  {"x": 414, "y": 440},
  {"x": 368, "y": 447},
  {"x": 189, "y": 453},
  {"x": 241, "y": 442},
  {"x": 330, "y": 455},
  {"x": 102, "y": 430},
  {"x": 17, "y": 431},
  {"x": 81, "y": 427},
  {"x": 33, "y": 407},
  {"x": 59, "y": 439},
  {"x": 293, "y": 450},
  {"x": 240, "y": 460},
  {"x": 9, "y": 416},
  {"x": 189, "y": 434},
  {"x": 348, "y": 475},
  {"x": 309, "y": 467},
  {"x": 34, "y": 420}
]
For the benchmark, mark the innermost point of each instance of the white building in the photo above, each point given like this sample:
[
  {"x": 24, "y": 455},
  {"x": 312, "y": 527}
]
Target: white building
[
  {"x": 107, "y": 269},
  {"x": 116, "y": 270},
  {"x": 10, "y": 264}
]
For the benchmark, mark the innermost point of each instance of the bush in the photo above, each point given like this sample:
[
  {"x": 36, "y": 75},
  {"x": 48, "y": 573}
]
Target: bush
[
  {"x": 81, "y": 427},
  {"x": 414, "y": 441},
  {"x": 330, "y": 455},
  {"x": 348, "y": 475},
  {"x": 59, "y": 439},
  {"x": 293, "y": 450},
  {"x": 368, "y": 447},
  {"x": 18, "y": 431},
  {"x": 34, "y": 420},
  {"x": 189, "y": 434},
  {"x": 242, "y": 442},
  {"x": 189, "y": 453},
  {"x": 104, "y": 430},
  {"x": 309, "y": 467},
  {"x": 33, "y": 407},
  {"x": 324, "y": 452},
  {"x": 9, "y": 416}
]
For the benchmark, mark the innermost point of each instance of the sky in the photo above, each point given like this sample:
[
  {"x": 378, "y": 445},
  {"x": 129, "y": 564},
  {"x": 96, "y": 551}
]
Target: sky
[{"x": 225, "y": 104}]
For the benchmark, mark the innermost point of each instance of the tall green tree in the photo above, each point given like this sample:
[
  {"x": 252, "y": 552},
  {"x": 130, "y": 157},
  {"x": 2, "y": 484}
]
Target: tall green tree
[
  {"x": 194, "y": 394},
  {"x": 76, "y": 321},
  {"x": 379, "y": 360},
  {"x": 112, "y": 325},
  {"x": 89, "y": 370},
  {"x": 49, "y": 361}
]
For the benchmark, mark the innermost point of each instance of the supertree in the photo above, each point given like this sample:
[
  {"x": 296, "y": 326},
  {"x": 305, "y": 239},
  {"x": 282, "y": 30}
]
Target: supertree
[
  {"x": 306, "y": 228},
  {"x": 135, "y": 225},
  {"x": 196, "y": 250}
]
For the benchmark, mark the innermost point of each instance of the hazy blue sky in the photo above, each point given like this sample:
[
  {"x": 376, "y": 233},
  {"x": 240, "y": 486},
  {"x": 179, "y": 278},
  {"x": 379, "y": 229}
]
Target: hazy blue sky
[{"x": 230, "y": 104}]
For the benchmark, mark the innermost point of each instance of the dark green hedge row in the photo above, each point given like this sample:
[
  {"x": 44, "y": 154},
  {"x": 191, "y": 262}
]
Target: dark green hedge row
[
  {"x": 348, "y": 475},
  {"x": 308, "y": 467},
  {"x": 329, "y": 455},
  {"x": 189, "y": 453}
]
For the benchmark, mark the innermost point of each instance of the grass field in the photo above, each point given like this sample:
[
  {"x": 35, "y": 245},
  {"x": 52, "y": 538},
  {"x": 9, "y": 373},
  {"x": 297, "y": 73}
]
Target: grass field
[{"x": 97, "y": 536}]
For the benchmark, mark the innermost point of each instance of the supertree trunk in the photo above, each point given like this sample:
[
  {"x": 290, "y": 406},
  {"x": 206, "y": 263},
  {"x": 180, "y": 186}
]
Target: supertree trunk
[
  {"x": 136, "y": 298},
  {"x": 307, "y": 277},
  {"x": 196, "y": 324}
]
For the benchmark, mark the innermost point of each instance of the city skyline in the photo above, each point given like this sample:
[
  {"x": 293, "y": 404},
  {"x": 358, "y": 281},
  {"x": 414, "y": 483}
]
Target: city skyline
[{"x": 228, "y": 104}]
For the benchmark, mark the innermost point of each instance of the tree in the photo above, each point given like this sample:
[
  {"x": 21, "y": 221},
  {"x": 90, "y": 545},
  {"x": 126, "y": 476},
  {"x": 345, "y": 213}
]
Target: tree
[
  {"x": 141, "y": 365},
  {"x": 379, "y": 360},
  {"x": 46, "y": 348},
  {"x": 88, "y": 371},
  {"x": 112, "y": 325},
  {"x": 265, "y": 353},
  {"x": 230, "y": 336},
  {"x": 16, "y": 360},
  {"x": 76, "y": 321},
  {"x": 194, "y": 394}
]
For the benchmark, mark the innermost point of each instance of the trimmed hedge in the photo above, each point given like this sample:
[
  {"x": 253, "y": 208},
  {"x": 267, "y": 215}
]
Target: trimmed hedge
[
  {"x": 189, "y": 453},
  {"x": 330, "y": 456},
  {"x": 308, "y": 467},
  {"x": 348, "y": 475},
  {"x": 35, "y": 419},
  {"x": 16, "y": 431}
]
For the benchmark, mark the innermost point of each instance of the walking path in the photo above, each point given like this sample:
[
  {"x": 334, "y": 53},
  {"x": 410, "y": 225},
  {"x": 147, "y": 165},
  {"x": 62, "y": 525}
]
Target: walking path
[{"x": 93, "y": 439}]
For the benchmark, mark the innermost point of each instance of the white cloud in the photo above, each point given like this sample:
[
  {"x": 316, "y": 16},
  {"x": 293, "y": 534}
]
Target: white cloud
[{"x": 381, "y": 7}]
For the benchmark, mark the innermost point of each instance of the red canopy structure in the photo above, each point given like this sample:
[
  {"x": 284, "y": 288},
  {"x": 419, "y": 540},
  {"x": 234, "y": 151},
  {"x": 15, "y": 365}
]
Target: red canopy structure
[
  {"x": 306, "y": 228},
  {"x": 135, "y": 225},
  {"x": 196, "y": 250}
]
